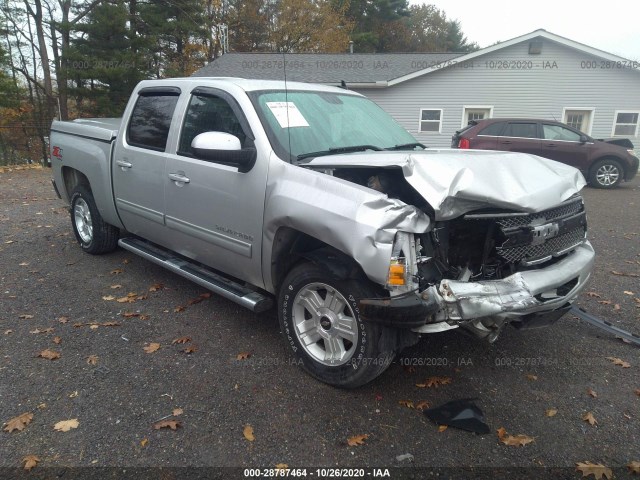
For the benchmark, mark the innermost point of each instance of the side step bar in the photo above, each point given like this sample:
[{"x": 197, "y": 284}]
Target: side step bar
[{"x": 205, "y": 277}]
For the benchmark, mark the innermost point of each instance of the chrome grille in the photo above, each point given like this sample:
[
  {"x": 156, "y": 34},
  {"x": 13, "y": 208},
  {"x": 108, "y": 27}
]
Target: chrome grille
[
  {"x": 551, "y": 247},
  {"x": 566, "y": 210}
]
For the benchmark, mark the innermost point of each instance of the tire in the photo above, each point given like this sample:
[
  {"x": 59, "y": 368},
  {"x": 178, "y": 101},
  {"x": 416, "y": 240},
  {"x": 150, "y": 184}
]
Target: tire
[
  {"x": 606, "y": 173},
  {"x": 94, "y": 235},
  {"x": 320, "y": 321}
]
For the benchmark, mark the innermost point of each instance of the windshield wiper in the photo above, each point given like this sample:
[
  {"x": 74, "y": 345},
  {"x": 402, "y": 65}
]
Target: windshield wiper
[
  {"x": 406, "y": 146},
  {"x": 333, "y": 151}
]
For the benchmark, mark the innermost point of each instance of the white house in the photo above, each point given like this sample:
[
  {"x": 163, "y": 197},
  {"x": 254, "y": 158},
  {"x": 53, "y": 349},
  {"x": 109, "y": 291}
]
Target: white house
[{"x": 537, "y": 75}]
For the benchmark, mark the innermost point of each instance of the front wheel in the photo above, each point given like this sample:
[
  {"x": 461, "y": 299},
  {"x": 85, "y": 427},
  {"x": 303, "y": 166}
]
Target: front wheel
[
  {"x": 606, "y": 173},
  {"x": 94, "y": 235},
  {"x": 320, "y": 319}
]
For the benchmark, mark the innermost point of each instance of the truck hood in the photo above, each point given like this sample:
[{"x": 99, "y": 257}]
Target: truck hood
[{"x": 455, "y": 182}]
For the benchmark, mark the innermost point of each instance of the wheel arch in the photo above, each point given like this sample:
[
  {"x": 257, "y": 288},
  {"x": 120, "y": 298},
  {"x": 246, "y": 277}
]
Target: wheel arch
[
  {"x": 609, "y": 156},
  {"x": 73, "y": 177},
  {"x": 292, "y": 246}
]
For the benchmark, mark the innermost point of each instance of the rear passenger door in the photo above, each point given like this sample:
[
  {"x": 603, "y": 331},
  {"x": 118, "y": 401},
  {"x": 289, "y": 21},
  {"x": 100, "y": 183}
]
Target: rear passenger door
[
  {"x": 487, "y": 138},
  {"x": 520, "y": 137},
  {"x": 139, "y": 162}
]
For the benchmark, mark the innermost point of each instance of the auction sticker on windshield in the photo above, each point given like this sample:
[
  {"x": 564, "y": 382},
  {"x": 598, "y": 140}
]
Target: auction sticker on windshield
[{"x": 287, "y": 114}]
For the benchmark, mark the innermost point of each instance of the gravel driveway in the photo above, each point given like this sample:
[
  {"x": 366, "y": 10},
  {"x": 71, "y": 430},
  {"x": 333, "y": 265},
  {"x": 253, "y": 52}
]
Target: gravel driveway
[{"x": 140, "y": 347}]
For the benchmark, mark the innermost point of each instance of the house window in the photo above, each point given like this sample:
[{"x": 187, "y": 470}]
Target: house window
[
  {"x": 578, "y": 118},
  {"x": 431, "y": 120},
  {"x": 475, "y": 112},
  {"x": 625, "y": 124}
]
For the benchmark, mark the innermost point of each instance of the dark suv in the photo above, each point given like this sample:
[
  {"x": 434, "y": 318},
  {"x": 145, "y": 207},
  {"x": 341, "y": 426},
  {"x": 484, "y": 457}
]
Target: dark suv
[{"x": 604, "y": 163}]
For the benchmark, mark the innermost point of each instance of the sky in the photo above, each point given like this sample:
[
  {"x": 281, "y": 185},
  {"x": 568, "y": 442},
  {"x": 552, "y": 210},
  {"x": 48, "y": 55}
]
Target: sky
[{"x": 612, "y": 26}]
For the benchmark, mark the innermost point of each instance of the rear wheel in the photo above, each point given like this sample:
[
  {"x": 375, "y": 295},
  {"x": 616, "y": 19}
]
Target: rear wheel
[
  {"x": 94, "y": 235},
  {"x": 606, "y": 173},
  {"x": 321, "y": 322}
]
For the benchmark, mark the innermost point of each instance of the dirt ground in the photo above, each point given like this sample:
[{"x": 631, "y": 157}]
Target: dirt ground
[{"x": 220, "y": 368}]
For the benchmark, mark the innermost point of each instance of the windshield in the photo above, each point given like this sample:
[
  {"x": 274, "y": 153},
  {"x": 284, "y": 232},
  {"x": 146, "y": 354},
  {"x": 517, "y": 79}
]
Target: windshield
[{"x": 304, "y": 124}]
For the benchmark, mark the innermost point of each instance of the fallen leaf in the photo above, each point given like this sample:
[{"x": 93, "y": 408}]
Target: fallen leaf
[
  {"x": 110, "y": 324},
  {"x": 143, "y": 442},
  {"x": 588, "y": 417},
  {"x": 243, "y": 356},
  {"x": 624, "y": 274},
  {"x": 181, "y": 340},
  {"x": 179, "y": 308},
  {"x": 434, "y": 382},
  {"x": 593, "y": 295},
  {"x": 66, "y": 425},
  {"x": 177, "y": 411},
  {"x": 49, "y": 354},
  {"x": 616, "y": 307},
  {"x": 282, "y": 466},
  {"x": 19, "y": 422},
  {"x": 108, "y": 297},
  {"x": 145, "y": 317},
  {"x": 25, "y": 316},
  {"x": 634, "y": 467},
  {"x": 627, "y": 292},
  {"x": 406, "y": 403},
  {"x": 114, "y": 287},
  {"x": 501, "y": 432},
  {"x": 592, "y": 393},
  {"x": 191, "y": 349},
  {"x": 172, "y": 424},
  {"x": 605, "y": 302},
  {"x": 193, "y": 301},
  {"x": 422, "y": 405},
  {"x": 551, "y": 412},
  {"x": 596, "y": 469},
  {"x": 532, "y": 377},
  {"x": 516, "y": 440},
  {"x": 117, "y": 271},
  {"x": 57, "y": 340},
  {"x": 442, "y": 428},
  {"x": 152, "y": 347},
  {"x": 637, "y": 391},
  {"x": 130, "y": 314},
  {"x": 155, "y": 287},
  {"x": 92, "y": 359},
  {"x": 42, "y": 406},
  {"x": 63, "y": 319},
  {"x": 248, "y": 433},
  {"x": 30, "y": 461},
  {"x": 205, "y": 295},
  {"x": 8, "y": 332},
  {"x": 8, "y": 242},
  {"x": 617, "y": 361},
  {"x": 127, "y": 299},
  {"x": 357, "y": 440},
  {"x": 46, "y": 330},
  {"x": 23, "y": 264},
  {"x": 73, "y": 394}
]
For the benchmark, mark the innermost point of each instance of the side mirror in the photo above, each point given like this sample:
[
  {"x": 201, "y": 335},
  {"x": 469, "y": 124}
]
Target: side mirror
[
  {"x": 221, "y": 147},
  {"x": 584, "y": 139}
]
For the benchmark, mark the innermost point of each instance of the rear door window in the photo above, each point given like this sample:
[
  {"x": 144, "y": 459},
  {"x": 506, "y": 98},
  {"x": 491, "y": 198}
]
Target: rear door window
[
  {"x": 151, "y": 119},
  {"x": 521, "y": 130},
  {"x": 493, "y": 130}
]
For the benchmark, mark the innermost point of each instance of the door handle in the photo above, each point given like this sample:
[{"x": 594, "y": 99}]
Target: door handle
[
  {"x": 124, "y": 164},
  {"x": 550, "y": 145},
  {"x": 177, "y": 177},
  {"x": 506, "y": 142}
]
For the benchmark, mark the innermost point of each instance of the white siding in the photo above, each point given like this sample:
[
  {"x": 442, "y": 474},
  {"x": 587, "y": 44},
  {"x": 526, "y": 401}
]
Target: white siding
[{"x": 537, "y": 92}]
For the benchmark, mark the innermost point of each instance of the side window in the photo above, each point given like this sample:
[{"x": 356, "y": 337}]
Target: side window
[
  {"x": 207, "y": 113},
  {"x": 431, "y": 120},
  {"x": 150, "y": 121},
  {"x": 523, "y": 130},
  {"x": 493, "y": 130},
  {"x": 556, "y": 132}
]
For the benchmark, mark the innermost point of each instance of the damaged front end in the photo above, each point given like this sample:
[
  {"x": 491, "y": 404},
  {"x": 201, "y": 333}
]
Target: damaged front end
[
  {"x": 499, "y": 250},
  {"x": 487, "y": 269}
]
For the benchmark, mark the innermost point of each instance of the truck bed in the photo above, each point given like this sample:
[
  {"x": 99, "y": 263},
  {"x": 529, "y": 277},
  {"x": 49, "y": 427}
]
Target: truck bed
[{"x": 103, "y": 129}]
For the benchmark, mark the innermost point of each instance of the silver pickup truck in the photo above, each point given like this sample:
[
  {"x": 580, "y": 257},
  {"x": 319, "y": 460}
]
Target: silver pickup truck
[{"x": 313, "y": 200}]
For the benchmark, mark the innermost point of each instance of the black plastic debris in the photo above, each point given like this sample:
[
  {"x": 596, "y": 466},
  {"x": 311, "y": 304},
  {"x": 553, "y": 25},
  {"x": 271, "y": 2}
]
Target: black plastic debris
[{"x": 462, "y": 414}]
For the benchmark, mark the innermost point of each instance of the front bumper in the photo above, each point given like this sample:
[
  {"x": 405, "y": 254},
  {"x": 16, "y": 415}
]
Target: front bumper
[
  {"x": 512, "y": 298},
  {"x": 633, "y": 170}
]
